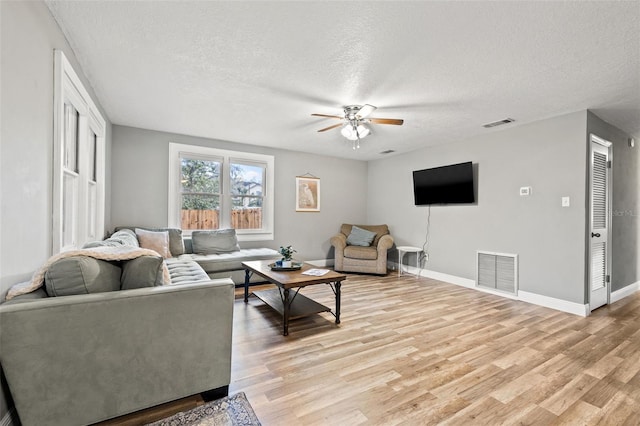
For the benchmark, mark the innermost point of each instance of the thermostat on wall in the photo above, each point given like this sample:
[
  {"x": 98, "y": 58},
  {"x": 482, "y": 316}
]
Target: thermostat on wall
[{"x": 525, "y": 190}]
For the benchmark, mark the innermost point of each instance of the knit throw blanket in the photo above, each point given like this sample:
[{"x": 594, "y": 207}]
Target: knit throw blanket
[{"x": 101, "y": 253}]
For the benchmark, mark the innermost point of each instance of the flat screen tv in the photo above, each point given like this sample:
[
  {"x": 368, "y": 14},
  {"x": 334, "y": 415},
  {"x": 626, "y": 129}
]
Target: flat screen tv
[{"x": 451, "y": 184}]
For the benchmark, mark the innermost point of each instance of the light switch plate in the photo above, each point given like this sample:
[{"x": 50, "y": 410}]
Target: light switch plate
[
  {"x": 566, "y": 201},
  {"x": 525, "y": 190}
]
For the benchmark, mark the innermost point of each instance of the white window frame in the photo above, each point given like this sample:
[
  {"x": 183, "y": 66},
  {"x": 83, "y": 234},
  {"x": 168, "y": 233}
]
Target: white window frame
[
  {"x": 176, "y": 151},
  {"x": 68, "y": 89}
]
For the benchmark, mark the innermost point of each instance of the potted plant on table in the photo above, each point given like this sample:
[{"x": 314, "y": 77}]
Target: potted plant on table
[{"x": 287, "y": 255}]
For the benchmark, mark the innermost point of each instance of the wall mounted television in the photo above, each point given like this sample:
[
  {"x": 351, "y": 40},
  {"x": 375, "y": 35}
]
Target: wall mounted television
[{"x": 452, "y": 184}]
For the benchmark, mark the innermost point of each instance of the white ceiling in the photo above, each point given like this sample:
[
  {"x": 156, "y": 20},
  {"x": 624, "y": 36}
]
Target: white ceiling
[{"x": 253, "y": 72}]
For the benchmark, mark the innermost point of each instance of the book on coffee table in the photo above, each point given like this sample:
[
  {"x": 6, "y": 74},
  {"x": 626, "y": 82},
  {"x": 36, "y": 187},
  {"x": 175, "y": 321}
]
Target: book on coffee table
[{"x": 315, "y": 272}]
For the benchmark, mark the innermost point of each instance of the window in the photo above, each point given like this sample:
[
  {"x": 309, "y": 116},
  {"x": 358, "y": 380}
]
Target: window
[
  {"x": 79, "y": 132},
  {"x": 214, "y": 189}
]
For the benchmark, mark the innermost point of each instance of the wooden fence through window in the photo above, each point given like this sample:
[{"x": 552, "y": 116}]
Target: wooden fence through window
[{"x": 209, "y": 219}]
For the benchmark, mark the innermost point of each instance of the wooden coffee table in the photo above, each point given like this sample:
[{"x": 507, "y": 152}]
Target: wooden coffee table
[{"x": 290, "y": 304}]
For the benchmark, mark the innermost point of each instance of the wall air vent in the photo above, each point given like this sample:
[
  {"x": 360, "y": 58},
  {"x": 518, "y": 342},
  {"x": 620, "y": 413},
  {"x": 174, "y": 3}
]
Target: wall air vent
[
  {"x": 498, "y": 123},
  {"x": 388, "y": 151},
  {"x": 497, "y": 271}
]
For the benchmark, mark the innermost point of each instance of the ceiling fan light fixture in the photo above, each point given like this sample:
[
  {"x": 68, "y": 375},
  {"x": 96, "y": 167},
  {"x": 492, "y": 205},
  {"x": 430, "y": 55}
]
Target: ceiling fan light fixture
[
  {"x": 354, "y": 132},
  {"x": 353, "y": 122}
]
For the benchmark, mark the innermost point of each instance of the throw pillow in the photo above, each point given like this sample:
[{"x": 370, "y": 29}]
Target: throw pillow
[
  {"x": 360, "y": 237},
  {"x": 143, "y": 271},
  {"x": 157, "y": 241},
  {"x": 176, "y": 245},
  {"x": 81, "y": 275},
  {"x": 213, "y": 242}
]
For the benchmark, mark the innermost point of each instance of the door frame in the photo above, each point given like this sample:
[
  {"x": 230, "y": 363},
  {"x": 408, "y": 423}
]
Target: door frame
[{"x": 593, "y": 138}]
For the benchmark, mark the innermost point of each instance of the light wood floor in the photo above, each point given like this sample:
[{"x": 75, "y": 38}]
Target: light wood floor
[{"x": 415, "y": 351}]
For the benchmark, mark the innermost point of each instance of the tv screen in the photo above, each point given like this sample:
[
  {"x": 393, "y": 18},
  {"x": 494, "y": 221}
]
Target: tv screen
[{"x": 451, "y": 184}]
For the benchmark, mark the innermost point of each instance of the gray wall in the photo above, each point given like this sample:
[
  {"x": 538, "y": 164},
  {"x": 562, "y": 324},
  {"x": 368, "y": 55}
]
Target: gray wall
[
  {"x": 547, "y": 155},
  {"x": 29, "y": 34},
  {"x": 140, "y": 180},
  {"x": 625, "y": 253}
]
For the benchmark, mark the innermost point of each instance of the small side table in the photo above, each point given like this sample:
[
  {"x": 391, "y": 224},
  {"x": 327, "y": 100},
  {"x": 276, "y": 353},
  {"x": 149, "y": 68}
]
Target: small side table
[{"x": 407, "y": 249}]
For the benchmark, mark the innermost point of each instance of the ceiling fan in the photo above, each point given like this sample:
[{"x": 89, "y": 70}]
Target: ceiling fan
[{"x": 354, "y": 120}]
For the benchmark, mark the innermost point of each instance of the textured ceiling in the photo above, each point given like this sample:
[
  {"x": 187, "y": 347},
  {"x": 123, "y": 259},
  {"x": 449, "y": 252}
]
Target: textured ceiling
[{"x": 253, "y": 72}]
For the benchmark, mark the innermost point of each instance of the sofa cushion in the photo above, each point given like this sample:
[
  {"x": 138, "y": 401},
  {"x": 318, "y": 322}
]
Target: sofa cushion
[
  {"x": 121, "y": 238},
  {"x": 360, "y": 237},
  {"x": 214, "y": 242},
  {"x": 231, "y": 261},
  {"x": 359, "y": 252},
  {"x": 81, "y": 275},
  {"x": 143, "y": 271},
  {"x": 185, "y": 271},
  {"x": 176, "y": 246},
  {"x": 157, "y": 241}
]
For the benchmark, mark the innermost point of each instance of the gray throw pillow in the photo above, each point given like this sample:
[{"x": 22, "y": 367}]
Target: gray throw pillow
[
  {"x": 143, "y": 271},
  {"x": 81, "y": 275},
  {"x": 360, "y": 237},
  {"x": 213, "y": 242}
]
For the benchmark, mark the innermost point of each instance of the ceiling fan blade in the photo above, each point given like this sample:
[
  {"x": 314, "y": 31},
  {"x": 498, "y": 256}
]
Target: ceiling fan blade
[
  {"x": 395, "y": 121},
  {"x": 330, "y": 127},
  {"x": 328, "y": 116},
  {"x": 365, "y": 110}
]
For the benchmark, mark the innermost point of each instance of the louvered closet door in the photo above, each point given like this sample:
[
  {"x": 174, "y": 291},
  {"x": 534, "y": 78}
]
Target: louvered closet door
[{"x": 600, "y": 189}]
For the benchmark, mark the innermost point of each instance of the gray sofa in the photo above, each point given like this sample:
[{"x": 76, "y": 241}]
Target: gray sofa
[
  {"x": 217, "y": 252},
  {"x": 83, "y": 358}
]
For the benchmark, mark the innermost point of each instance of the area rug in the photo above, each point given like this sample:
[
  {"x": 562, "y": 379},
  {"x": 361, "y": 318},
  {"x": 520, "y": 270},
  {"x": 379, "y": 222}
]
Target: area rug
[{"x": 232, "y": 410}]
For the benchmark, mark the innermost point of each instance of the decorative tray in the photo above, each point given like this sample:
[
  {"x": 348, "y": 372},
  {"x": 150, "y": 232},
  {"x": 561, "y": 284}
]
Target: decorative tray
[{"x": 295, "y": 266}]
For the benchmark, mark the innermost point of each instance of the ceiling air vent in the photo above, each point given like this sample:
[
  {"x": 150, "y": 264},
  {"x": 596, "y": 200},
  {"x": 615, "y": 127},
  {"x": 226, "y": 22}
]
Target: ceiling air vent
[
  {"x": 498, "y": 123},
  {"x": 388, "y": 151}
]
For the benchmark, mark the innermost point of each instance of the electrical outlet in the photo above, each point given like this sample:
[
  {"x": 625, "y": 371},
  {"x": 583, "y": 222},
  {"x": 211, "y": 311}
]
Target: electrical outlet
[
  {"x": 566, "y": 201},
  {"x": 525, "y": 191}
]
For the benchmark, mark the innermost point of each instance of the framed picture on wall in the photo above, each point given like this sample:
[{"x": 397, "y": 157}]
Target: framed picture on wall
[{"x": 307, "y": 194}]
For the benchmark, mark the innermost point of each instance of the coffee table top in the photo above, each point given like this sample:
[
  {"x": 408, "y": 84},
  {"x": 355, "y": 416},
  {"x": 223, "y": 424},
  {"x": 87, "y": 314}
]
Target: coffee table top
[{"x": 292, "y": 279}]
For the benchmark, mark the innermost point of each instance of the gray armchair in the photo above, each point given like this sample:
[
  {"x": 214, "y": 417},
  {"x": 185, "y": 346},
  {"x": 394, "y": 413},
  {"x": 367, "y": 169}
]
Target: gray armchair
[{"x": 371, "y": 259}]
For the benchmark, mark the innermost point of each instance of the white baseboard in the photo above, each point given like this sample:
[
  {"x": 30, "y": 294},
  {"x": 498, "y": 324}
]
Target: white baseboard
[
  {"x": 321, "y": 262},
  {"x": 463, "y": 282},
  {"x": 8, "y": 419},
  {"x": 524, "y": 296},
  {"x": 553, "y": 303},
  {"x": 625, "y": 291}
]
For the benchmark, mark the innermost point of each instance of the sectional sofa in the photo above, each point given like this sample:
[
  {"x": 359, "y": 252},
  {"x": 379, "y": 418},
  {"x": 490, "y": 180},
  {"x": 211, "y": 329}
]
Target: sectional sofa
[
  {"x": 102, "y": 338},
  {"x": 217, "y": 252}
]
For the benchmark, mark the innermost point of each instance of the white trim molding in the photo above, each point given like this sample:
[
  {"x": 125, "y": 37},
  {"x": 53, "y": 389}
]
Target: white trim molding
[
  {"x": 463, "y": 282},
  {"x": 624, "y": 292},
  {"x": 523, "y": 296},
  {"x": 553, "y": 303},
  {"x": 79, "y": 162},
  {"x": 321, "y": 262}
]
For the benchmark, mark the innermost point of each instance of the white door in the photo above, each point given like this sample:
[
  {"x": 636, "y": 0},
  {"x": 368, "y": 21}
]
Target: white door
[{"x": 600, "y": 220}]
